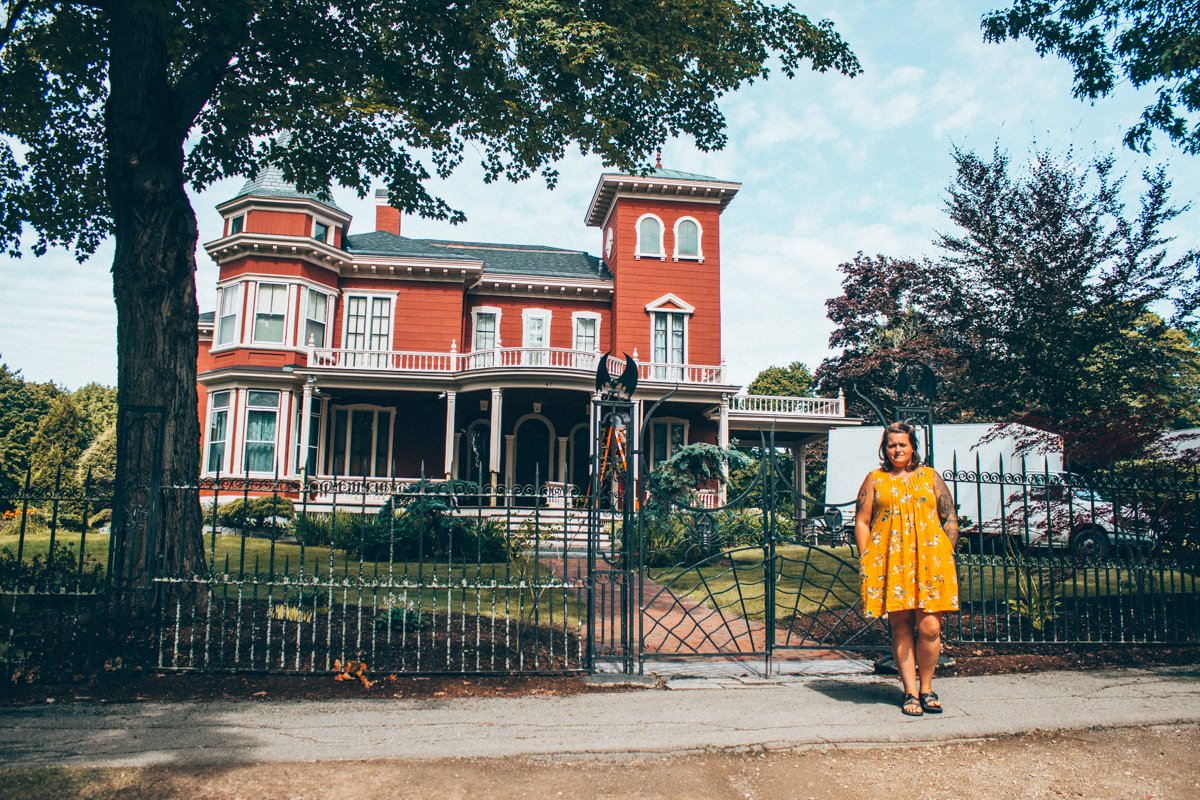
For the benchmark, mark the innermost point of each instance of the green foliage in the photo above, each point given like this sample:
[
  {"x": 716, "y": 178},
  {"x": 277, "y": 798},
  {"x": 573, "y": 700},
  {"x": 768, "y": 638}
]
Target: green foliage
[
  {"x": 794, "y": 380},
  {"x": 22, "y": 407},
  {"x": 97, "y": 406},
  {"x": 389, "y": 84},
  {"x": 42, "y": 571},
  {"x": 258, "y": 514},
  {"x": 100, "y": 462},
  {"x": 1039, "y": 309},
  {"x": 1147, "y": 44},
  {"x": 57, "y": 445},
  {"x": 337, "y": 530}
]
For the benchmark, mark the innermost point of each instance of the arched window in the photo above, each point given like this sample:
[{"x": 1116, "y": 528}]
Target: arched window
[
  {"x": 687, "y": 239},
  {"x": 649, "y": 236}
]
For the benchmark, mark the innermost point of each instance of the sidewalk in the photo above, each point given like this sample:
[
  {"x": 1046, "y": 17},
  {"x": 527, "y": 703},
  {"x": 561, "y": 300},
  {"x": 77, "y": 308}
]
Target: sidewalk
[{"x": 695, "y": 716}]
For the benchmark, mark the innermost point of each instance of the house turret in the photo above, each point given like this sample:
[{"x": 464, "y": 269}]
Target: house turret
[{"x": 661, "y": 241}]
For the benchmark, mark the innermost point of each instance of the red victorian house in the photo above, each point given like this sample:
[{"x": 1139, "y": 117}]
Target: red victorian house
[{"x": 376, "y": 356}]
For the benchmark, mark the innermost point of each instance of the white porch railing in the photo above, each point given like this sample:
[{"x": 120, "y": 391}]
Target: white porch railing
[
  {"x": 558, "y": 358},
  {"x": 789, "y": 406}
]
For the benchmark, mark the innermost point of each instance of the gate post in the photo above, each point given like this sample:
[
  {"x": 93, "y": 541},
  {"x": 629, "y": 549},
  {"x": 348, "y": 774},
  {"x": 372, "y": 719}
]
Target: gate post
[{"x": 614, "y": 441}]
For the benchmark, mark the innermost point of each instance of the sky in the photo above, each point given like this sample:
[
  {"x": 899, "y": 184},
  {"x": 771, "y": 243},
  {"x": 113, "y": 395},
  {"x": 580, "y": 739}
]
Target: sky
[{"x": 829, "y": 166}]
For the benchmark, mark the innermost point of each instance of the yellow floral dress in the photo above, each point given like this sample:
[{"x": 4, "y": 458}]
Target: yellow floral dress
[{"x": 908, "y": 562}]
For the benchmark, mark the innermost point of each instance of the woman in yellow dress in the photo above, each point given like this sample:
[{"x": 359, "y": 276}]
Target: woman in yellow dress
[{"x": 906, "y": 530}]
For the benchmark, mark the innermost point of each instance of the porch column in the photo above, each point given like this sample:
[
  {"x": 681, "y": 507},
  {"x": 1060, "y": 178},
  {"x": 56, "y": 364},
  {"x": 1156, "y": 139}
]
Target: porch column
[
  {"x": 510, "y": 441},
  {"x": 800, "y": 477},
  {"x": 723, "y": 443},
  {"x": 448, "y": 461},
  {"x": 454, "y": 461},
  {"x": 306, "y": 425},
  {"x": 562, "y": 460},
  {"x": 494, "y": 436}
]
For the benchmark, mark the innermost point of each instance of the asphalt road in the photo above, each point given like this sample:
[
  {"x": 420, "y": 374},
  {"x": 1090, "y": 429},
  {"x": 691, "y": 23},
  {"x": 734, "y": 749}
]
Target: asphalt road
[{"x": 691, "y": 717}]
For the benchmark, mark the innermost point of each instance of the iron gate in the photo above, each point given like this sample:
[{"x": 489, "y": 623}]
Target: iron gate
[{"x": 748, "y": 576}]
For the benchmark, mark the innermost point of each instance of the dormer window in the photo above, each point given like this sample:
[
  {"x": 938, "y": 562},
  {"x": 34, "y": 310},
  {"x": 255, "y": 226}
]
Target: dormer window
[
  {"x": 237, "y": 224},
  {"x": 650, "y": 236},
  {"x": 687, "y": 239},
  {"x": 320, "y": 231}
]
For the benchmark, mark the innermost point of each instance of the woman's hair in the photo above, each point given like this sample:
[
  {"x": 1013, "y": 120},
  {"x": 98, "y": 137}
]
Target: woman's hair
[{"x": 898, "y": 427}]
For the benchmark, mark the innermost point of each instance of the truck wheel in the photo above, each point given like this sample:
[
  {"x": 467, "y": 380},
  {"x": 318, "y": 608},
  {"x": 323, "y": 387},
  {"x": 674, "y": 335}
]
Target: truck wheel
[{"x": 1090, "y": 545}]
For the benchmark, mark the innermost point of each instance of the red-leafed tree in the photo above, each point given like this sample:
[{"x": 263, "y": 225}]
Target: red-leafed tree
[{"x": 1039, "y": 308}]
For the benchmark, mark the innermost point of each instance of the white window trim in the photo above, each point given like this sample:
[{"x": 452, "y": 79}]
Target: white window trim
[
  {"x": 639, "y": 251},
  {"x": 699, "y": 257},
  {"x": 239, "y": 307},
  {"x": 671, "y": 303},
  {"x": 653, "y": 431},
  {"x": 248, "y": 287},
  {"x": 370, "y": 293},
  {"x": 332, "y": 410},
  {"x": 687, "y": 344},
  {"x": 475, "y": 312},
  {"x": 578, "y": 315},
  {"x": 528, "y": 314},
  {"x": 209, "y": 469},
  {"x": 330, "y": 233},
  {"x": 329, "y": 303},
  {"x": 244, "y": 416},
  {"x": 289, "y": 297},
  {"x": 242, "y": 216}
]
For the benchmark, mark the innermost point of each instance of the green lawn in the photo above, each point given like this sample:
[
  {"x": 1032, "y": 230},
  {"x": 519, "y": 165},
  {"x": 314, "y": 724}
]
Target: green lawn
[
  {"x": 288, "y": 575},
  {"x": 811, "y": 580}
]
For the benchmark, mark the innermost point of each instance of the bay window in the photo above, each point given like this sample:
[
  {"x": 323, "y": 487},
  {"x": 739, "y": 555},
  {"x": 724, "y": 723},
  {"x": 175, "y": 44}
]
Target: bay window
[
  {"x": 262, "y": 422},
  {"x": 270, "y": 310}
]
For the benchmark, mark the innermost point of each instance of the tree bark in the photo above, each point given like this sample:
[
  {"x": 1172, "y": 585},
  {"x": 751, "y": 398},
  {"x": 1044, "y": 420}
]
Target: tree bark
[{"x": 156, "y": 524}]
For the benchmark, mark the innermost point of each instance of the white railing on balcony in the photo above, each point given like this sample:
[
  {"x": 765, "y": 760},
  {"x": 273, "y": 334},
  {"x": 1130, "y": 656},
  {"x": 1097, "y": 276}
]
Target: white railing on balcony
[
  {"x": 557, "y": 358},
  {"x": 789, "y": 406}
]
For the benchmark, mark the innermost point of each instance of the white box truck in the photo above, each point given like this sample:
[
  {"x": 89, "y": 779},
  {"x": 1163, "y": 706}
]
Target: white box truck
[{"x": 1013, "y": 497}]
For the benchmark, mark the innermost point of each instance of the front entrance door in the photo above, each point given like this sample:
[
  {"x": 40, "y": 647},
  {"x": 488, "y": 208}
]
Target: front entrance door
[{"x": 533, "y": 438}]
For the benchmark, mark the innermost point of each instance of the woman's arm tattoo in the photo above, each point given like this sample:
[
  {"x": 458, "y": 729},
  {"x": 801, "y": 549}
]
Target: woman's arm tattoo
[{"x": 947, "y": 514}]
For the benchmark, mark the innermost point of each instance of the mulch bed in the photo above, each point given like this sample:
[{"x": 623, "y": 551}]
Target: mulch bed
[{"x": 970, "y": 659}]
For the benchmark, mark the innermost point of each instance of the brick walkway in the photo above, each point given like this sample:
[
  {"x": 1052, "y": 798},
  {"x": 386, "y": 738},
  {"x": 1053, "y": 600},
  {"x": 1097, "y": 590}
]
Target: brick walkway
[{"x": 672, "y": 624}]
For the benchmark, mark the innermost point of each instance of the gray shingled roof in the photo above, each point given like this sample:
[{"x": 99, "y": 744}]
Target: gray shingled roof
[
  {"x": 382, "y": 243},
  {"x": 529, "y": 259},
  {"x": 269, "y": 182},
  {"x": 208, "y": 317},
  {"x": 506, "y": 259}
]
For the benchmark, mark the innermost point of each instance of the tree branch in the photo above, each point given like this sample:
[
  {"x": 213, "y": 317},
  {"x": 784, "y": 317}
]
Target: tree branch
[
  {"x": 201, "y": 78},
  {"x": 10, "y": 21}
]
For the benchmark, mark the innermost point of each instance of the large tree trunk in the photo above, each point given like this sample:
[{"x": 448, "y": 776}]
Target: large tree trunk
[{"x": 156, "y": 524}]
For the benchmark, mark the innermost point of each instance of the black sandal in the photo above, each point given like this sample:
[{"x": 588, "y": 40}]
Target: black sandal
[
  {"x": 911, "y": 702},
  {"x": 926, "y": 704}
]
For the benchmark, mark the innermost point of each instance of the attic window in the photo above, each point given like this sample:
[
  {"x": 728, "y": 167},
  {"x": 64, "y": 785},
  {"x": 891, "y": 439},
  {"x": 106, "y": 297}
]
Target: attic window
[
  {"x": 320, "y": 231},
  {"x": 237, "y": 224}
]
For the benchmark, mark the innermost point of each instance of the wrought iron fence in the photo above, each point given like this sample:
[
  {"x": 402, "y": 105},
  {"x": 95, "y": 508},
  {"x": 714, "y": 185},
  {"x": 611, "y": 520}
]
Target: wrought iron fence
[
  {"x": 444, "y": 577},
  {"x": 1067, "y": 556},
  {"x": 424, "y": 577}
]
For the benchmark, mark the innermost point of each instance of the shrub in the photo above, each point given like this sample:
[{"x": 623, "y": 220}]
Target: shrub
[
  {"x": 62, "y": 571},
  {"x": 256, "y": 514},
  {"x": 340, "y": 530}
]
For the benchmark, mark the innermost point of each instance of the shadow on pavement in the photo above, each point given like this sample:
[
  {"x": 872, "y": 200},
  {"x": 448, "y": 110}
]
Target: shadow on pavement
[{"x": 857, "y": 692}]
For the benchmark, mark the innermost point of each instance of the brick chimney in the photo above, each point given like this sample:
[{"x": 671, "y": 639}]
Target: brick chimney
[{"x": 387, "y": 219}]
